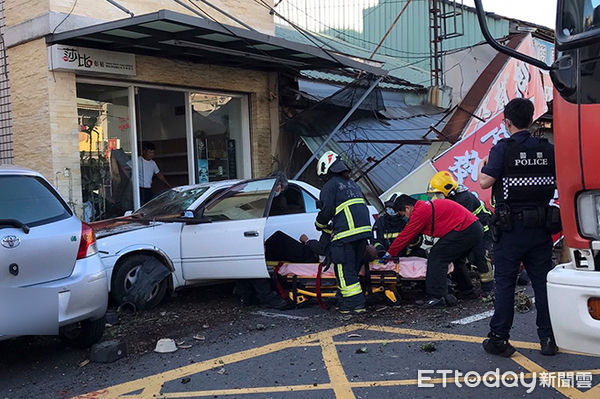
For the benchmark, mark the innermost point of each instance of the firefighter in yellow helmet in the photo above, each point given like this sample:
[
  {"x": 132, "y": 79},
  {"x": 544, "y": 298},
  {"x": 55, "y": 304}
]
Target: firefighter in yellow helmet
[
  {"x": 444, "y": 185},
  {"x": 343, "y": 205}
]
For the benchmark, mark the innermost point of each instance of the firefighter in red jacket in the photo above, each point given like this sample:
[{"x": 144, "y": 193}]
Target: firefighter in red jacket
[{"x": 458, "y": 230}]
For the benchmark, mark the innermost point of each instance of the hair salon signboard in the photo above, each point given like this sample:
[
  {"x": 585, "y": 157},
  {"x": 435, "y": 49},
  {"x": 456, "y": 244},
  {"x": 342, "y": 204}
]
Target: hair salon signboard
[{"x": 80, "y": 59}]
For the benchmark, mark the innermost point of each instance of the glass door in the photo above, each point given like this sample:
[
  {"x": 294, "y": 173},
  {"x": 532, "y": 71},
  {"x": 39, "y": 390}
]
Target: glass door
[
  {"x": 105, "y": 150},
  {"x": 220, "y": 140},
  {"x": 162, "y": 142}
]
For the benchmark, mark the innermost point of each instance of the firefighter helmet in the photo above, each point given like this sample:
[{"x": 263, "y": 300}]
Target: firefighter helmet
[
  {"x": 325, "y": 162},
  {"x": 442, "y": 182},
  {"x": 389, "y": 203}
]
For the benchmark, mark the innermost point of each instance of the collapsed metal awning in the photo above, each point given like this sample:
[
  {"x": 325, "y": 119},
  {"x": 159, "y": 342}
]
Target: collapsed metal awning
[{"x": 179, "y": 36}]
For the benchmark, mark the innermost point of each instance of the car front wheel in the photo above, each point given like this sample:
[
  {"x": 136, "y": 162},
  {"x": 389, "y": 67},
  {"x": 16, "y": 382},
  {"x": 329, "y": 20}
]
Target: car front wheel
[{"x": 130, "y": 279}]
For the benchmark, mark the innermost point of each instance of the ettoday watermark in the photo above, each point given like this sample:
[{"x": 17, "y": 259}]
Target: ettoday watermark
[{"x": 507, "y": 379}]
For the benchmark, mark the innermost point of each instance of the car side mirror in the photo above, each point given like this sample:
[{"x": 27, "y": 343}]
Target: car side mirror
[
  {"x": 128, "y": 213},
  {"x": 189, "y": 214}
]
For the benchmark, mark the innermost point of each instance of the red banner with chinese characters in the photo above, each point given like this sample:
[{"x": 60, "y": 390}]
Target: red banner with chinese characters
[
  {"x": 464, "y": 157},
  {"x": 516, "y": 80}
]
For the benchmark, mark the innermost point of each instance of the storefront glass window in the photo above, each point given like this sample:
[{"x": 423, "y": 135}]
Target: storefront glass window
[
  {"x": 105, "y": 150},
  {"x": 217, "y": 123},
  {"x": 162, "y": 127}
]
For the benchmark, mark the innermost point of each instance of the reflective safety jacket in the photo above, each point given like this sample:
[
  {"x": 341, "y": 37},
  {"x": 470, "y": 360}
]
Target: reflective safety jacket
[
  {"x": 528, "y": 176},
  {"x": 385, "y": 230},
  {"x": 343, "y": 204},
  {"x": 475, "y": 205}
]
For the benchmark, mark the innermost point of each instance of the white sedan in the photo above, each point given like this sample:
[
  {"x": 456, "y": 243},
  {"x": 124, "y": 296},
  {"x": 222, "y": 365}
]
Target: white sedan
[{"x": 211, "y": 231}]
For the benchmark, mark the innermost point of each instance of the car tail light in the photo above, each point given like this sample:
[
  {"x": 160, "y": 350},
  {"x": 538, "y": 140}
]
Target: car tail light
[
  {"x": 87, "y": 244},
  {"x": 594, "y": 308}
]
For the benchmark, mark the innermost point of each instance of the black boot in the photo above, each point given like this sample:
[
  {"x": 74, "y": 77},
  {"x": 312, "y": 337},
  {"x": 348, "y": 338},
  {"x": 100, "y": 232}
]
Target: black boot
[
  {"x": 496, "y": 345},
  {"x": 548, "y": 346},
  {"x": 432, "y": 303}
]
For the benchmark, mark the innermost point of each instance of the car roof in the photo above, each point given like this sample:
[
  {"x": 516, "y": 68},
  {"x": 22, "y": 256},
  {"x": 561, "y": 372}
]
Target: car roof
[{"x": 7, "y": 169}]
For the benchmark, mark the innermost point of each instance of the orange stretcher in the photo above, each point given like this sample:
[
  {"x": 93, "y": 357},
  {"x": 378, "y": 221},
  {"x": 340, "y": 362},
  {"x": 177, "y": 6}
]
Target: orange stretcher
[{"x": 307, "y": 280}]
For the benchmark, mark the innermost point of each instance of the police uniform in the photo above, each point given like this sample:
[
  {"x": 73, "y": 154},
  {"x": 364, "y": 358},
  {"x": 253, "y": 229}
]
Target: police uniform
[
  {"x": 481, "y": 254},
  {"x": 523, "y": 167},
  {"x": 343, "y": 204}
]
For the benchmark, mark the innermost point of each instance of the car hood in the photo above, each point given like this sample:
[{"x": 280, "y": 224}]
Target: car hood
[{"x": 108, "y": 227}]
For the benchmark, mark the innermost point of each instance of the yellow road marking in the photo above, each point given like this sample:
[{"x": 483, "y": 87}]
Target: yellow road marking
[
  {"x": 245, "y": 391},
  {"x": 151, "y": 386},
  {"x": 531, "y": 366},
  {"x": 150, "y": 383},
  {"x": 337, "y": 375}
]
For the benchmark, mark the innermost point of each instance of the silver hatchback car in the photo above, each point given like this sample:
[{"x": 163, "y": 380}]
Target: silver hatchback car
[{"x": 52, "y": 280}]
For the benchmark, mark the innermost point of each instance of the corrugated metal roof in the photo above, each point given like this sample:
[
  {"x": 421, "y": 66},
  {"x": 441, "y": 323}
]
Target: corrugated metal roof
[
  {"x": 337, "y": 78},
  {"x": 396, "y": 68},
  {"x": 414, "y": 127}
]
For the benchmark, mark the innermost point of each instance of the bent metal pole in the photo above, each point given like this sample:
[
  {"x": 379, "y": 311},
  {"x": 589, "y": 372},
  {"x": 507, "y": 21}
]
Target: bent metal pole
[{"x": 339, "y": 126}]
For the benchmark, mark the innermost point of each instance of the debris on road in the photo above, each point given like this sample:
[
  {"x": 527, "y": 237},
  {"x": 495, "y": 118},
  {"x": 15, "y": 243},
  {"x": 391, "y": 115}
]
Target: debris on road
[
  {"x": 362, "y": 349},
  {"x": 260, "y": 327},
  {"x": 84, "y": 363},
  {"x": 205, "y": 326},
  {"x": 222, "y": 371},
  {"x": 185, "y": 380},
  {"x": 428, "y": 347},
  {"x": 108, "y": 351},
  {"x": 354, "y": 335},
  {"x": 165, "y": 345},
  {"x": 188, "y": 346},
  {"x": 523, "y": 302},
  {"x": 199, "y": 337}
]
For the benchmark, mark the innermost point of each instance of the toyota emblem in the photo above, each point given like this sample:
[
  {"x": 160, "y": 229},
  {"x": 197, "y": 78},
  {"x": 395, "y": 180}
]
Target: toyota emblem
[{"x": 11, "y": 241}]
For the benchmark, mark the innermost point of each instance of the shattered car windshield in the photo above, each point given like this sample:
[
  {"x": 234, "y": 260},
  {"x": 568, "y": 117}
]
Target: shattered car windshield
[{"x": 172, "y": 202}]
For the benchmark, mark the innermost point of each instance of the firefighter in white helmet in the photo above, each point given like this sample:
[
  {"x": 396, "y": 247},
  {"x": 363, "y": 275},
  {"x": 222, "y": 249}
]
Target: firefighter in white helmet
[{"x": 344, "y": 206}]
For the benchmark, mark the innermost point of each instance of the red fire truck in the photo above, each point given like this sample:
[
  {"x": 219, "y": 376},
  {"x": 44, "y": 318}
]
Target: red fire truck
[{"x": 574, "y": 287}]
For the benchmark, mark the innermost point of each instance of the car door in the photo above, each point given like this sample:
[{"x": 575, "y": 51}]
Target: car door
[
  {"x": 299, "y": 216},
  {"x": 231, "y": 245}
]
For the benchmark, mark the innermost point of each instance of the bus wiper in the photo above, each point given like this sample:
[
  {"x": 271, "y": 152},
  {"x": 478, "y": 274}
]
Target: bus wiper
[{"x": 14, "y": 223}]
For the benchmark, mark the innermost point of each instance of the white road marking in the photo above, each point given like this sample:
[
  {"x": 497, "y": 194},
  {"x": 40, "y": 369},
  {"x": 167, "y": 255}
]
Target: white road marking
[
  {"x": 479, "y": 316},
  {"x": 475, "y": 317},
  {"x": 275, "y": 315}
]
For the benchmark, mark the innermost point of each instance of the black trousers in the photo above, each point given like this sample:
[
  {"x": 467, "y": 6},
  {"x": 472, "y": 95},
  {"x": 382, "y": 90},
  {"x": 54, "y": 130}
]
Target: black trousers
[
  {"x": 347, "y": 258},
  {"x": 281, "y": 247},
  {"x": 146, "y": 195},
  {"x": 533, "y": 247},
  {"x": 453, "y": 247}
]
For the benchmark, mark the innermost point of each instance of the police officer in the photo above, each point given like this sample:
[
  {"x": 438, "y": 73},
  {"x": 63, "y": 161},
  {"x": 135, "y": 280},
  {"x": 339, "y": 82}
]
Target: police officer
[
  {"x": 444, "y": 185},
  {"x": 388, "y": 226},
  {"x": 343, "y": 204},
  {"x": 521, "y": 171}
]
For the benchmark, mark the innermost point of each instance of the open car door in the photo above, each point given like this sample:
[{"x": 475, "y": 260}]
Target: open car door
[{"x": 232, "y": 244}]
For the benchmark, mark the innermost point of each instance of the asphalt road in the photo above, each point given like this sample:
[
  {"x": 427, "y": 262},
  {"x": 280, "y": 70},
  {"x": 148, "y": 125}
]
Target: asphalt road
[{"x": 312, "y": 353}]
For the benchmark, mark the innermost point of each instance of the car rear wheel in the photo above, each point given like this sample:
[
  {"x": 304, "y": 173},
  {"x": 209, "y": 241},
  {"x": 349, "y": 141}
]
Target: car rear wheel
[
  {"x": 128, "y": 275},
  {"x": 83, "y": 334}
]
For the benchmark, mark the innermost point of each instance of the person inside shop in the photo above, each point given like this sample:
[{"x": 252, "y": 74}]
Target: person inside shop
[
  {"x": 147, "y": 170},
  {"x": 458, "y": 230}
]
